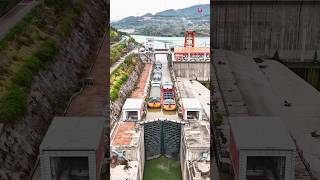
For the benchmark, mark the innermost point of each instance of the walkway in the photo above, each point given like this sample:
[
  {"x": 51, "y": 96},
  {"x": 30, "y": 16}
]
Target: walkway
[
  {"x": 120, "y": 61},
  {"x": 92, "y": 100},
  {"x": 140, "y": 91},
  {"x": 121, "y": 40},
  {"x": 10, "y": 19}
]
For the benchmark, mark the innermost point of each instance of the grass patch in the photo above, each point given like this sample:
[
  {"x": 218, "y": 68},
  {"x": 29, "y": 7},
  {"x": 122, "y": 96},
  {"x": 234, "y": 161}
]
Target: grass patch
[
  {"x": 117, "y": 52},
  {"x": 29, "y": 46},
  {"x": 162, "y": 168},
  {"x": 13, "y": 104}
]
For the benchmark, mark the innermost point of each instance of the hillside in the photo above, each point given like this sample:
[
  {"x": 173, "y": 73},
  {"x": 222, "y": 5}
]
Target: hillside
[{"x": 169, "y": 22}]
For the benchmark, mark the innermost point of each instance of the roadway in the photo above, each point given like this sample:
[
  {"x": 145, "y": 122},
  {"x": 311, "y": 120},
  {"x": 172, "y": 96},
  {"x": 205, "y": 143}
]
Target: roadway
[
  {"x": 11, "y": 18},
  {"x": 121, "y": 60}
]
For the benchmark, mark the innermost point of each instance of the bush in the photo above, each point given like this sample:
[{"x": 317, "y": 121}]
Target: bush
[
  {"x": 218, "y": 119},
  {"x": 120, "y": 76},
  {"x": 13, "y": 104},
  {"x": 23, "y": 77},
  {"x": 13, "y": 54},
  {"x": 64, "y": 28},
  {"x": 47, "y": 51},
  {"x": 33, "y": 64},
  {"x": 113, "y": 95}
]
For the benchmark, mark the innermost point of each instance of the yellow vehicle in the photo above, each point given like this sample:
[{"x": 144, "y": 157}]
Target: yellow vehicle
[
  {"x": 154, "y": 103},
  {"x": 169, "y": 105},
  {"x": 154, "y": 98}
]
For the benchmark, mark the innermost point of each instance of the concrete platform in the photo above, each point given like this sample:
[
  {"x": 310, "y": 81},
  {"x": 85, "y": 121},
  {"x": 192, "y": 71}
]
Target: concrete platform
[{"x": 264, "y": 91}]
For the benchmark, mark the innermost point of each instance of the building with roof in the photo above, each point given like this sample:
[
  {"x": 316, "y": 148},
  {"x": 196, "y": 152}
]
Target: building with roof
[
  {"x": 191, "y": 54},
  {"x": 73, "y": 147},
  {"x": 127, "y": 152},
  {"x": 191, "y": 109},
  {"x": 132, "y": 109},
  {"x": 261, "y": 147},
  {"x": 192, "y": 62}
]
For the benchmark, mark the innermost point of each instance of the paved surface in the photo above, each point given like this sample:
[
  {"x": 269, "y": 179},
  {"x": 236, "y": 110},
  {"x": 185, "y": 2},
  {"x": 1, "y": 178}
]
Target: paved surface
[
  {"x": 92, "y": 101},
  {"x": 194, "y": 89},
  {"x": 120, "y": 61},
  {"x": 140, "y": 91},
  {"x": 264, "y": 91},
  {"x": 123, "y": 135},
  {"x": 10, "y": 19}
]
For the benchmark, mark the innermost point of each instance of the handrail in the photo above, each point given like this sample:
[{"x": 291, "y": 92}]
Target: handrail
[{"x": 83, "y": 85}]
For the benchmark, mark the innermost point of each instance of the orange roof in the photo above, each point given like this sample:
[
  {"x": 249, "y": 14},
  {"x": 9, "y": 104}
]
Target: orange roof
[
  {"x": 123, "y": 135},
  {"x": 192, "y": 50}
]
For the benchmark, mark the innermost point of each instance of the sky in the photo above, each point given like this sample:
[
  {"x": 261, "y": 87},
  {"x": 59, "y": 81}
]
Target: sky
[{"x": 120, "y": 9}]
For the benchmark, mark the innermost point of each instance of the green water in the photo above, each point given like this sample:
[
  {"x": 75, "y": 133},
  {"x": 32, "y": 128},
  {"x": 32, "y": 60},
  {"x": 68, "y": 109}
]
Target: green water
[{"x": 162, "y": 168}]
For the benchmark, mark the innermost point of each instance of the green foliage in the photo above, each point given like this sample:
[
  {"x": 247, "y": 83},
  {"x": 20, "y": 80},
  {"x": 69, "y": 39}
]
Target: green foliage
[
  {"x": 114, "y": 36},
  {"x": 27, "y": 35},
  {"x": 58, "y": 5},
  {"x": 47, "y": 51},
  {"x": 121, "y": 75},
  {"x": 132, "y": 41},
  {"x": 19, "y": 27},
  {"x": 218, "y": 119},
  {"x": 23, "y": 77},
  {"x": 13, "y": 54},
  {"x": 113, "y": 94},
  {"x": 13, "y": 104},
  {"x": 66, "y": 24},
  {"x": 116, "y": 52}
]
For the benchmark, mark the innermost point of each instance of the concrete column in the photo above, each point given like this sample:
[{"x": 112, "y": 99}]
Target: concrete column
[
  {"x": 123, "y": 115},
  {"x": 242, "y": 165},
  {"x": 92, "y": 166},
  {"x": 45, "y": 167},
  {"x": 289, "y": 169}
]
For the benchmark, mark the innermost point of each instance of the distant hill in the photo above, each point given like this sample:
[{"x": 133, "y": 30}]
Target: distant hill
[
  {"x": 187, "y": 12},
  {"x": 169, "y": 22}
]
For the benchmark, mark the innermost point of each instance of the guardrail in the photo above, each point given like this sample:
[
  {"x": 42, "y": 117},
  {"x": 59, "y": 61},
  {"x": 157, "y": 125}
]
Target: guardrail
[{"x": 83, "y": 85}]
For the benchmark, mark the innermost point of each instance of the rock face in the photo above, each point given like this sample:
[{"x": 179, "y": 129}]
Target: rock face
[
  {"x": 124, "y": 93},
  {"x": 262, "y": 29},
  {"x": 50, "y": 92}
]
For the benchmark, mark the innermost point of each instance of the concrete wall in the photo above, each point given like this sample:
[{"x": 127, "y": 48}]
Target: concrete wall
[
  {"x": 289, "y": 167},
  {"x": 292, "y": 29},
  {"x": 45, "y": 162},
  {"x": 192, "y": 70}
]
